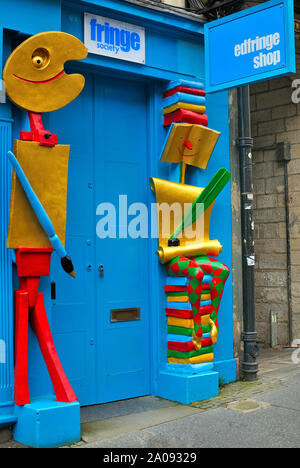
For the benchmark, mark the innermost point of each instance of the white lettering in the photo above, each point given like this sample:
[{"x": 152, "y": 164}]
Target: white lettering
[{"x": 268, "y": 42}]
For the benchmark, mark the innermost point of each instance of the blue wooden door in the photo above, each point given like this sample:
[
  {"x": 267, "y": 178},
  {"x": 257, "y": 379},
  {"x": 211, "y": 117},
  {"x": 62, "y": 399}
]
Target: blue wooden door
[{"x": 105, "y": 360}]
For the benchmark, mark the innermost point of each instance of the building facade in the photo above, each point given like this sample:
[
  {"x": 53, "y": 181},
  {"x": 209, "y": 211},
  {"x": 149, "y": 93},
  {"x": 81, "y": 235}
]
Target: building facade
[
  {"x": 115, "y": 129},
  {"x": 275, "y": 119}
]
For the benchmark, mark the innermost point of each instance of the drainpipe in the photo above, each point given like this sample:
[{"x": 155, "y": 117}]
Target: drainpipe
[{"x": 245, "y": 142}]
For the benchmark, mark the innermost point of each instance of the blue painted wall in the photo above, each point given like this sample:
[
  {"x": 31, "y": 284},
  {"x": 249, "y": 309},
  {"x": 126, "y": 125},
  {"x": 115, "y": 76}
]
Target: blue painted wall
[{"x": 174, "y": 51}]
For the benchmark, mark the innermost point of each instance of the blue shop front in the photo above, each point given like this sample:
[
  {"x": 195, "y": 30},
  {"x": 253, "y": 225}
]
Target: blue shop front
[{"x": 109, "y": 325}]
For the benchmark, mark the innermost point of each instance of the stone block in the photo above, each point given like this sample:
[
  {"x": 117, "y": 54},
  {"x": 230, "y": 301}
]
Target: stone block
[
  {"x": 273, "y": 98},
  {"x": 266, "y": 201},
  {"x": 274, "y": 295},
  {"x": 259, "y": 186},
  {"x": 293, "y": 123},
  {"x": 266, "y": 231},
  {"x": 292, "y": 137},
  {"x": 294, "y": 166},
  {"x": 275, "y": 185},
  {"x": 270, "y": 215},
  {"x": 261, "y": 116},
  {"x": 273, "y": 126},
  {"x": 259, "y": 87},
  {"x": 272, "y": 261},
  {"x": 264, "y": 141},
  {"x": 271, "y": 278}
]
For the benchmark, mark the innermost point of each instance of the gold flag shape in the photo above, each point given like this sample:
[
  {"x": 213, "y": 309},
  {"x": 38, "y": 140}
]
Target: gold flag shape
[
  {"x": 191, "y": 144},
  {"x": 168, "y": 193},
  {"x": 47, "y": 172}
]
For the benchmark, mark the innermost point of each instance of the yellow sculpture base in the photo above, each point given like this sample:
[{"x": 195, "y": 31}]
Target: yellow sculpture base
[{"x": 209, "y": 357}]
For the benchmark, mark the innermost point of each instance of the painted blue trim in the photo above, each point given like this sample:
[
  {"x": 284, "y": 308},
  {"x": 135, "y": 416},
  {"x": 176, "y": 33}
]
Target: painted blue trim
[
  {"x": 189, "y": 368},
  {"x": 227, "y": 369},
  {"x": 290, "y": 66},
  {"x": 180, "y": 338},
  {"x": 187, "y": 387},
  {"x": 7, "y": 420},
  {"x": 184, "y": 339},
  {"x": 180, "y": 42},
  {"x": 183, "y": 97},
  {"x": 178, "y": 281},
  {"x": 158, "y": 323},
  {"x": 46, "y": 423},
  {"x": 188, "y": 84},
  {"x": 6, "y": 289},
  {"x": 98, "y": 61},
  {"x": 179, "y": 305},
  {"x": 138, "y": 12}
]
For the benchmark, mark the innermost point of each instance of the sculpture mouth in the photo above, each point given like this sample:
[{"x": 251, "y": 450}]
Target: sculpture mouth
[
  {"x": 40, "y": 82},
  {"x": 190, "y": 155}
]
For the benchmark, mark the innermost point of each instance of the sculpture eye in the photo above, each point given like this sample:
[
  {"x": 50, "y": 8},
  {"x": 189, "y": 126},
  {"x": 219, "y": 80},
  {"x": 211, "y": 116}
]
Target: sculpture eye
[{"x": 40, "y": 58}]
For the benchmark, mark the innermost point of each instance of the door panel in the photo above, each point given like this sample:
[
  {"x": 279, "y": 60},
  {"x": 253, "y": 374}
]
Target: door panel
[
  {"x": 121, "y": 169},
  {"x": 73, "y": 315},
  {"x": 106, "y": 127}
]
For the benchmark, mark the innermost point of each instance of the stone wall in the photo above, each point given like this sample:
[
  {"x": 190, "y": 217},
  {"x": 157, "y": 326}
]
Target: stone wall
[{"x": 275, "y": 118}]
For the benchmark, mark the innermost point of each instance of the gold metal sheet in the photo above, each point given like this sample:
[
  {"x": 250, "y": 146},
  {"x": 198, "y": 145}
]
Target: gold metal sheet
[
  {"x": 171, "y": 192},
  {"x": 34, "y": 72},
  {"x": 201, "y": 139},
  {"x": 47, "y": 171}
]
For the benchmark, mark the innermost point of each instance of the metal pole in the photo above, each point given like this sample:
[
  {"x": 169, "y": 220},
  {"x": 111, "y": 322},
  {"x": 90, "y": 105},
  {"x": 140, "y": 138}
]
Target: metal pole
[{"x": 245, "y": 142}]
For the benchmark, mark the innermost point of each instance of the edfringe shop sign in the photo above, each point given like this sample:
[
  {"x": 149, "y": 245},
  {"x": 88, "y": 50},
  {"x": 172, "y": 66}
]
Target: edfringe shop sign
[
  {"x": 106, "y": 36},
  {"x": 253, "y": 45}
]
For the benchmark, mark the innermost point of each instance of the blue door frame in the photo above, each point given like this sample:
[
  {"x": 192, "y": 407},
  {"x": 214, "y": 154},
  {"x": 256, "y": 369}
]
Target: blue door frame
[{"x": 182, "y": 41}]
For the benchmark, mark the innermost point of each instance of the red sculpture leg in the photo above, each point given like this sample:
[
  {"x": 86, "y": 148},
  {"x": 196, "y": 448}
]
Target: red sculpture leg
[
  {"x": 21, "y": 389},
  {"x": 40, "y": 325}
]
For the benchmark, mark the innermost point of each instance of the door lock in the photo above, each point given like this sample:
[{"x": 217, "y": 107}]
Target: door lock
[{"x": 101, "y": 270}]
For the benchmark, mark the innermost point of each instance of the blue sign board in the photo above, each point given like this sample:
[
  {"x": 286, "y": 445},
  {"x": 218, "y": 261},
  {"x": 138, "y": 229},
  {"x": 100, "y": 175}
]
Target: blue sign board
[{"x": 253, "y": 45}]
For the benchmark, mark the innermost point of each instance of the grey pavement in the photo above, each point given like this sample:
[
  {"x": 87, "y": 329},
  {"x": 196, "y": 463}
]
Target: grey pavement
[
  {"x": 264, "y": 413},
  {"x": 273, "y": 419}
]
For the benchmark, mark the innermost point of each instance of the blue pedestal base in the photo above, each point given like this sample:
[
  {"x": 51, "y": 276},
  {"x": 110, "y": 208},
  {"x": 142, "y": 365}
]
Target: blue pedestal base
[
  {"x": 226, "y": 369},
  {"x": 46, "y": 423},
  {"x": 186, "y": 387}
]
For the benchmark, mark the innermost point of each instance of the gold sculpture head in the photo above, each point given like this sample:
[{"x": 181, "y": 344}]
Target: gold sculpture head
[{"x": 34, "y": 73}]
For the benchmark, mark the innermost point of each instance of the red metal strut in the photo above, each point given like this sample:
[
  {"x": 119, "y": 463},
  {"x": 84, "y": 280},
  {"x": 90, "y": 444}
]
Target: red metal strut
[{"x": 37, "y": 131}]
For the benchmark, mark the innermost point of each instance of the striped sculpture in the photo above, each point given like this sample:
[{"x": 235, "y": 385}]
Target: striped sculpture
[{"x": 194, "y": 289}]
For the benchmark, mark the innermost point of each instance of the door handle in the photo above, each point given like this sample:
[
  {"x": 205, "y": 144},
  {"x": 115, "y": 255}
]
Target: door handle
[{"x": 101, "y": 270}]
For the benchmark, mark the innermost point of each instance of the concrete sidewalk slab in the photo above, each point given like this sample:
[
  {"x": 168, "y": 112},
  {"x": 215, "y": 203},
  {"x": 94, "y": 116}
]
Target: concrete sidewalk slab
[
  {"x": 110, "y": 427},
  {"x": 274, "y": 424},
  {"x": 218, "y": 428},
  {"x": 123, "y": 407}
]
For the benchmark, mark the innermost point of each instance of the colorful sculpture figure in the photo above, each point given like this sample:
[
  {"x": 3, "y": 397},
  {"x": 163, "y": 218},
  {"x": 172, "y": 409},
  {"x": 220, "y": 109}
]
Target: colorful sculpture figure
[
  {"x": 36, "y": 81},
  {"x": 196, "y": 280}
]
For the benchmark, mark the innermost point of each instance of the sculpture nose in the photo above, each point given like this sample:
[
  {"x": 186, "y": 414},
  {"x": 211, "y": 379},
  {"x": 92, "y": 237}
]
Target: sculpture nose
[{"x": 188, "y": 144}]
